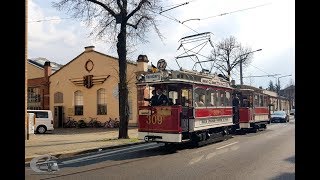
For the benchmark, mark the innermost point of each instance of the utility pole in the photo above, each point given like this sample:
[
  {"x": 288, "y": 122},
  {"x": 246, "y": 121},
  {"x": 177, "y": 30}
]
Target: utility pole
[
  {"x": 278, "y": 90},
  {"x": 241, "y": 78}
]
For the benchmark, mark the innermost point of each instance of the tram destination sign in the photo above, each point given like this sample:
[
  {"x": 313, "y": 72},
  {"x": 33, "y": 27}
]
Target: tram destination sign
[
  {"x": 152, "y": 77},
  {"x": 214, "y": 81}
]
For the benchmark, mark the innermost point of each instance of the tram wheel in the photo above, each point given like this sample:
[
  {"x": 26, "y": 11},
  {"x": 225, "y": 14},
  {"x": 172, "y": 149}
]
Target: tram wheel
[{"x": 254, "y": 130}]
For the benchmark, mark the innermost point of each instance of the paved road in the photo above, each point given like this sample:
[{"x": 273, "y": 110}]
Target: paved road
[{"x": 268, "y": 154}]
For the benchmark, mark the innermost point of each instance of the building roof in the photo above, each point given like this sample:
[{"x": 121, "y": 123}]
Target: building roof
[
  {"x": 289, "y": 87},
  {"x": 128, "y": 61},
  {"x": 39, "y": 62}
]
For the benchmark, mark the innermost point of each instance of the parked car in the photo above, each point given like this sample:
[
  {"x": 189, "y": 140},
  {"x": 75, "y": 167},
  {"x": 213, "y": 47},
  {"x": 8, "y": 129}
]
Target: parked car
[
  {"x": 43, "y": 121},
  {"x": 279, "y": 116},
  {"x": 292, "y": 111}
]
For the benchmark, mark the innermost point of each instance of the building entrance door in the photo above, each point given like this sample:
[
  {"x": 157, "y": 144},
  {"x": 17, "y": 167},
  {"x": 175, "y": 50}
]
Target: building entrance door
[{"x": 58, "y": 116}]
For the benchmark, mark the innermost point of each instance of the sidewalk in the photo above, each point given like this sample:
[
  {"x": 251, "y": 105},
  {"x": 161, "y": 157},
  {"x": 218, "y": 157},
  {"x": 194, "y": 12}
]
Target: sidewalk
[{"x": 66, "y": 142}]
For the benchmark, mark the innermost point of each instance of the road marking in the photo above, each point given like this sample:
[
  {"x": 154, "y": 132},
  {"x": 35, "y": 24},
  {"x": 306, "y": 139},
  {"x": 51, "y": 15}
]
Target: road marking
[
  {"x": 205, "y": 149},
  {"x": 102, "y": 154},
  {"x": 195, "y": 160},
  {"x": 210, "y": 155},
  {"x": 234, "y": 148},
  {"x": 227, "y": 145}
]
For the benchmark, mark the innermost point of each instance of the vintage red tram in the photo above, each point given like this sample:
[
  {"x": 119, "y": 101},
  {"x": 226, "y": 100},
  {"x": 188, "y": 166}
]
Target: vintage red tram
[
  {"x": 200, "y": 108},
  {"x": 253, "y": 113}
]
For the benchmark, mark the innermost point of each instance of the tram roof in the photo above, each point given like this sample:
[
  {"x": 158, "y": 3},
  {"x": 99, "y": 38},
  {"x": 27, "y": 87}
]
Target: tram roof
[
  {"x": 183, "y": 76},
  {"x": 248, "y": 88}
]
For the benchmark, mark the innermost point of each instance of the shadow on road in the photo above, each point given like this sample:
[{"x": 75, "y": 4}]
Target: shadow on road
[
  {"x": 285, "y": 176},
  {"x": 134, "y": 155},
  {"x": 291, "y": 159}
]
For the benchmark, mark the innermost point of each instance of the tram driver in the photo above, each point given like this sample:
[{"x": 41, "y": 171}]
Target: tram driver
[{"x": 162, "y": 99}]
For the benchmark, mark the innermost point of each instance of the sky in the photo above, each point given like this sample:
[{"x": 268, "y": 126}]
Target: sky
[{"x": 259, "y": 24}]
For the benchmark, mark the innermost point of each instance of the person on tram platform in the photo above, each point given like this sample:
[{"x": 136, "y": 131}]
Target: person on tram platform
[
  {"x": 153, "y": 99},
  {"x": 162, "y": 99}
]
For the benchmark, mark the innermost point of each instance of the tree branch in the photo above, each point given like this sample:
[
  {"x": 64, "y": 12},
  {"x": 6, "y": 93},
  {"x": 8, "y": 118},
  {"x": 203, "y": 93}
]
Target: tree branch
[
  {"x": 136, "y": 25},
  {"x": 136, "y": 9},
  {"x": 220, "y": 71},
  {"x": 104, "y": 6},
  {"x": 119, "y": 4}
]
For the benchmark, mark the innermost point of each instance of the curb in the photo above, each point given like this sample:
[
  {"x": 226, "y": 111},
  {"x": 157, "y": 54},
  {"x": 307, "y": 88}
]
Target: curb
[{"x": 81, "y": 152}]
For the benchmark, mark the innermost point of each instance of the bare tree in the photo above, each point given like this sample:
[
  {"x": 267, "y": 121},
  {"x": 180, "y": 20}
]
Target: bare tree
[
  {"x": 227, "y": 54},
  {"x": 278, "y": 88},
  {"x": 126, "y": 20},
  {"x": 271, "y": 86},
  {"x": 291, "y": 83}
]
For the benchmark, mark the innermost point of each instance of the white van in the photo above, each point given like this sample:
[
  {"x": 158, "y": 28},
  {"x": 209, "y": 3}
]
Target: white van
[{"x": 44, "y": 121}]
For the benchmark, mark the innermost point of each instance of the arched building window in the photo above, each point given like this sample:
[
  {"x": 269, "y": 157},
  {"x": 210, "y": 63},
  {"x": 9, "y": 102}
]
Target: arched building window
[
  {"x": 78, "y": 103},
  {"x": 101, "y": 102},
  {"x": 58, "y": 97}
]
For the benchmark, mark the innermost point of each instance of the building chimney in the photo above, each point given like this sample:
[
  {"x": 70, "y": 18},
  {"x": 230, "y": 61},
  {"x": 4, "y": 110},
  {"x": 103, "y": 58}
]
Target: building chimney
[
  {"x": 142, "y": 63},
  {"x": 47, "y": 69},
  {"x": 89, "y": 48}
]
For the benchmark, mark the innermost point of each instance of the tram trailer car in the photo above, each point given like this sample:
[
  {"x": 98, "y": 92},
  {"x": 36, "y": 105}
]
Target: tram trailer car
[
  {"x": 200, "y": 110},
  {"x": 254, "y": 110}
]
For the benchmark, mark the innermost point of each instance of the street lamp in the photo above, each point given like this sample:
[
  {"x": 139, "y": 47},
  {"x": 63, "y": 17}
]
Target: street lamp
[{"x": 241, "y": 78}]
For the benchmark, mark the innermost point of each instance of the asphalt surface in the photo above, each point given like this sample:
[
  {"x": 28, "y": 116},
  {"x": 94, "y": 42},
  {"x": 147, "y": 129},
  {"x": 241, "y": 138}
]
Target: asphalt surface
[{"x": 268, "y": 154}]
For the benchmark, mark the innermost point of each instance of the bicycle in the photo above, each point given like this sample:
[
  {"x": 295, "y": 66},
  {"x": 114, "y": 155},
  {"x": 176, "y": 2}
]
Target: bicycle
[
  {"x": 81, "y": 123},
  {"x": 116, "y": 123},
  {"x": 70, "y": 123},
  {"x": 94, "y": 123},
  {"x": 113, "y": 123},
  {"x": 91, "y": 122}
]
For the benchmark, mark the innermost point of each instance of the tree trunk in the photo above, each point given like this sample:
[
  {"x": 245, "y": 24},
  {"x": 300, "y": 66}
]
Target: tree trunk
[
  {"x": 123, "y": 88},
  {"x": 229, "y": 75}
]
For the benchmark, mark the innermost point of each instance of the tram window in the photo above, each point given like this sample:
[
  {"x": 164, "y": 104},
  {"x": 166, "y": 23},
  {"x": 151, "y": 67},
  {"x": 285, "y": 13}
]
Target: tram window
[
  {"x": 261, "y": 101},
  {"x": 250, "y": 101},
  {"x": 256, "y": 100},
  {"x": 200, "y": 97},
  {"x": 222, "y": 98},
  {"x": 212, "y": 98},
  {"x": 215, "y": 98},
  {"x": 186, "y": 97},
  {"x": 173, "y": 97},
  {"x": 144, "y": 92},
  {"x": 228, "y": 98},
  {"x": 265, "y": 101},
  {"x": 245, "y": 102},
  {"x": 218, "y": 98}
]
